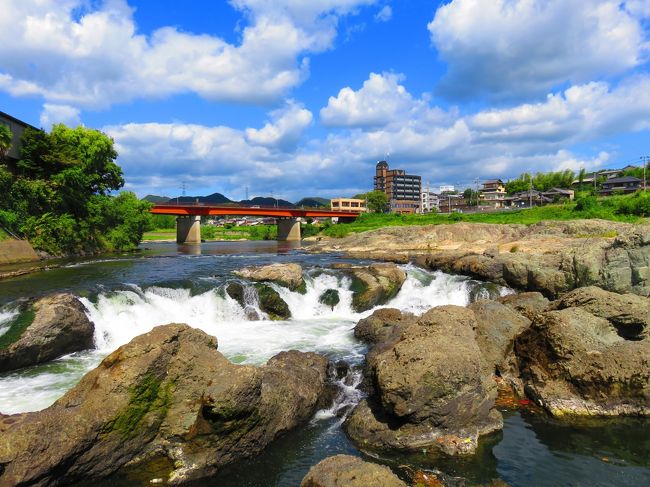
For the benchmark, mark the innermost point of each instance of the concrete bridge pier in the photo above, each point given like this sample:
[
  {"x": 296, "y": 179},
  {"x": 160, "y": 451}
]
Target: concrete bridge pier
[
  {"x": 288, "y": 230},
  {"x": 188, "y": 229}
]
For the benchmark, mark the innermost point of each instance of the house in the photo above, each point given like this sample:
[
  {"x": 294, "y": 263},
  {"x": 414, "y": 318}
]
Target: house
[
  {"x": 526, "y": 199},
  {"x": 429, "y": 202},
  {"x": 348, "y": 204},
  {"x": 625, "y": 184},
  {"x": 493, "y": 193},
  {"x": 449, "y": 203},
  {"x": 558, "y": 194},
  {"x": 17, "y": 128}
]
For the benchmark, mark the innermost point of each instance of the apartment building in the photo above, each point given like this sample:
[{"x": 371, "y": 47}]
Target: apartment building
[{"x": 403, "y": 190}]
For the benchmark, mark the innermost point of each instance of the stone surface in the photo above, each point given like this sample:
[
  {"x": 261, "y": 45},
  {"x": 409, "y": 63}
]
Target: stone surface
[
  {"x": 375, "y": 284},
  {"x": 287, "y": 275},
  {"x": 530, "y": 302},
  {"x": 629, "y": 313},
  {"x": 59, "y": 327},
  {"x": 433, "y": 388},
  {"x": 349, "y": 471},
  {"x": 551, "y": 257},
  {"x": 167, "y": 404},
  {"x": 271, "y": 303},
  {"x": 575, "y": 363},
  {"x": 14, "y": 251},
  {"x": 382, "y": 324}
]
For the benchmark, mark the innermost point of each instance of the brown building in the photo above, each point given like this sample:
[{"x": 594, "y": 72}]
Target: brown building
[
  {"x": 403, "y": 190},
  {"x": 348, "y": 204}
]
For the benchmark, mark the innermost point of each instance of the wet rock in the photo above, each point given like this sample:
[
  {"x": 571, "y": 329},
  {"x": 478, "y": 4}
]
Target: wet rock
[
  {"x": 382, "y": 324},
  {"x": 52, "y": 326},
  {"x": 375, "y": 285},
  {"x": 433, "y": 388},
  {"x": 484, "y": 291},
  {"x": 168, "y": 404},
  {"x": 349, "y": 471},
  {"x": 236, "y": 291},
  {"x": 330, "y": 298},
  {"x": 530, "y": 302},
  {"x": 629, "y": 313},
  {"x": 271, "y": 303},
  {"x": 287, "y": 275},
  {"x": 575, "y": 363}
]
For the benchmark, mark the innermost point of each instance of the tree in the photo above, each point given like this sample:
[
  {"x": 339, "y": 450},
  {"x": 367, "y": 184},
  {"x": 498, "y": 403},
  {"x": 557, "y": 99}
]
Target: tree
[
  {"x": 471, "y": 197},
  {"x": 376, "y": 201},
  {"x": 5, "y": 141}
]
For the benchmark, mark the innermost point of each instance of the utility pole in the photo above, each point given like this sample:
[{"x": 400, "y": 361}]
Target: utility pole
[
  {"x": 530, "y": 190},
  {"x": 476, "y": 183},
  {"x": 644, "y": 160}
]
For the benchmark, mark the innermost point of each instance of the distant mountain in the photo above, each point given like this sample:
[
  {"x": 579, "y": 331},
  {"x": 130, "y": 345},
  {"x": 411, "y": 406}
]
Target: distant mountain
[
  {"x": 214, "y": 199},
  {"x": 313, "y": 202},
  {"x": 152, "y": 198},
  {"x": 266, "y": 201}
]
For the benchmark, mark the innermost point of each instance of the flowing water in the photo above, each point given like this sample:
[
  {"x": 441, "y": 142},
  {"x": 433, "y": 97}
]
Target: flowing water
[{"x": 128, "y": 295}]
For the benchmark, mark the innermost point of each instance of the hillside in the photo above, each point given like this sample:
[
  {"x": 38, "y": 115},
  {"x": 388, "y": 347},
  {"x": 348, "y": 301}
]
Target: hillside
[{"x": 314, "y": 202}]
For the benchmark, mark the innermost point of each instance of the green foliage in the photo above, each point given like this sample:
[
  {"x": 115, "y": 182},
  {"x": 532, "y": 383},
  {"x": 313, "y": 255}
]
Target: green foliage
[
  {"x": 377, "y": 201},
  {"x": 586, "y": 203},
  {"x": 59, "y": 194},
  {"x": 5, "y": 141},
  {"x": 541, "y": 181},
  {"x": 471, "y": 197},
  {"x": 162, "y": 222},
  {"x": 208, "y": 232},
  {"x": 16, "y": 328},
  {"x": 309, "y": 230}
]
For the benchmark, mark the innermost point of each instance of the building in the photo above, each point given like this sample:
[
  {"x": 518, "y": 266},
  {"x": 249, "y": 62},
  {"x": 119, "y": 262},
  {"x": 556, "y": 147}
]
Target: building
[
  {"x": 17, "y": 128},
  {"x": 450, "y": 203},
  {"x": 446, "y": 188},
  {"x": 348, "y": 204},
  {"x": 429, "y": 202},
  {"x": 403, "y": 190},
  {"x": 625, "y": 184},
  {"x": 559, "y": 194},
  {"x": 493, "y": 193}
]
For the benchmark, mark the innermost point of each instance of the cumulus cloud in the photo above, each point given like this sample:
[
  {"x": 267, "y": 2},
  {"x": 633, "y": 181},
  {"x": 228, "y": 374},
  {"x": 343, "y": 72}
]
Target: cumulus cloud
[
  {"x": 285, "y": 128},
  {"x": 72, "y": 53},
  {"x": 442, "y": 146},
  {"x": 53, "y": 114},
  {"x": 385, "y": 14},
  {"x": 524, "y": 48}
]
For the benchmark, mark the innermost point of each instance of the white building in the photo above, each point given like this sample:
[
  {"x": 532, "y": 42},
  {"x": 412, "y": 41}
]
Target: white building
[
  {"x": 429, "y": 202},
  {"x": 446, "y": 188}
]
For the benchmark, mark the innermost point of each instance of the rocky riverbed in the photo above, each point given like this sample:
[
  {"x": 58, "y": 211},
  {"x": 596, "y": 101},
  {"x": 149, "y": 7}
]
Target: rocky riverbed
[{"x": 169, "y": 407}]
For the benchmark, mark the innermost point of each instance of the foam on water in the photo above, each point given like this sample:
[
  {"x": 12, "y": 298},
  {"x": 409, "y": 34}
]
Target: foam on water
[
  {"x": 121, "y": 315},
  {"x": 6, "y": 315}
]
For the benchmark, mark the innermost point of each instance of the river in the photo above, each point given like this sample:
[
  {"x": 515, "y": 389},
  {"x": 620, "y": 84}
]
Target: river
[{"x": 126, "y": 295}]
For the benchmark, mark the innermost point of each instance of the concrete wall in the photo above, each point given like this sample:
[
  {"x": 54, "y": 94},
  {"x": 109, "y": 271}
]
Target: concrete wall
[
  {"x": 288, "y": 229},
  {"x": 188, "y": 229},
  {"x": 13, "y": 251}
]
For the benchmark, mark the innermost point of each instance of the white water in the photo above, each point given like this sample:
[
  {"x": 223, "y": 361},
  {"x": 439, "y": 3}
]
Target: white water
[
  {"x": 119, "y": 316},
  {"x": 5, "y": 318}
]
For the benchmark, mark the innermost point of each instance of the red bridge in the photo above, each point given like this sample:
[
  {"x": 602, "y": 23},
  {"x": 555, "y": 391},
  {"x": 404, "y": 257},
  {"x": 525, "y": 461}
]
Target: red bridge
[{"x": 188, "y": 221}]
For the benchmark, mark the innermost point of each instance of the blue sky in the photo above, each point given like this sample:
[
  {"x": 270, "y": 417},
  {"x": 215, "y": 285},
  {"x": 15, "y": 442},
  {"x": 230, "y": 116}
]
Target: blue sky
[{"x": 301, "y": 98}]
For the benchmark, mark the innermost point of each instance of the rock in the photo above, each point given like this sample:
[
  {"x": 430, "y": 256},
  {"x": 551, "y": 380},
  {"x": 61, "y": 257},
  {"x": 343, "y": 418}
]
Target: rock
[
  {"x": 629, "y": 313},
  {"x": 375, "y": 285},
  {"x": 483, "y": 291},
  {"x": 497, "y": 326},
  {"x": 330, "y": 297},
  {"x": 49, "y": 328},
  {"x": 433, "y": 388},
  {"x": 349, "y": 471},
  {"x": 551, "y": 257},
  {"x": 531, "y": 302},
  {"x": 287, "y": 275},
  {"x": 575, "y": 363},
  {"x": 271, "y": 303},
  {"x": 167, "y": 405},
  {"x": 382, "y": 324},
  {"x": 236, "y": 291}
]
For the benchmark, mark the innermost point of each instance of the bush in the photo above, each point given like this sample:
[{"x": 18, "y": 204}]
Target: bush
[
  {"x": 208, "y": 232},
  {"x": 586, "y": 203}
]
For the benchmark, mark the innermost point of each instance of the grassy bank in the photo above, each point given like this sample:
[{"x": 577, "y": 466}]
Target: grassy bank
[
  {"x": 526, "y": 216},
  {"x": 211, "y": 232},
  {"x": 3, "y": 235}
]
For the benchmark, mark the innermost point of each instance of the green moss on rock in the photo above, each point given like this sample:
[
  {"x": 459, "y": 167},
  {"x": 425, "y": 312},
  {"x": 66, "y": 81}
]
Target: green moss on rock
[
  {"x": 16, "y": 328},
  {"x": 150, "y": 395},
  {"x": 271, "y": 303},
  {"x": 330, "y": 298}
]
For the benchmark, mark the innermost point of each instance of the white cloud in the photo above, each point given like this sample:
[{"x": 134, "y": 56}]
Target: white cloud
[
  {"x": 53, "y": 114},
  {"x": 385, "y": 14},
  {"x": 285, "y": 128},
  {"x": 97, "y": 57},
  {"x": 523, "y": 48}
]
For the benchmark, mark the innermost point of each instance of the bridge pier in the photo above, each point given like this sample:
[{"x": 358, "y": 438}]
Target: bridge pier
[
  {"x": 188, "y": 229},
  {"x": 288, "y": 230}
]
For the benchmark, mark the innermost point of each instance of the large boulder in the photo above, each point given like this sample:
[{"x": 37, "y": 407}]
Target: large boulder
[
  {"x": 629, "y": 313},
  {"x": 382, "y": 324},
  {"x": 530, "y": 302},
  {"x": 497, "y": 326},
  {"x": 286, "y": 275},
  {"x": 433, "y": 389},
  {"x": 349, "y": 471},
  {"x": 271, "y": 303},
  {"x": 375, "y": 284},
  {"x": 50, "y": 327},
  {"x": 575, "y": 363},
  {"x": 167, "y": 405}
]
